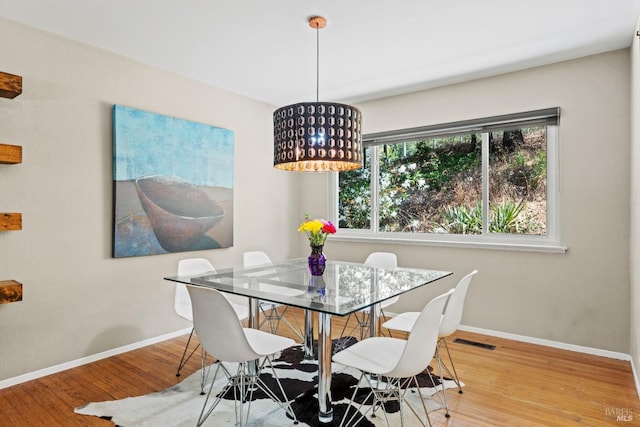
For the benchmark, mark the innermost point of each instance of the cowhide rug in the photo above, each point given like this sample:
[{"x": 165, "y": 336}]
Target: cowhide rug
[{"x": 181, "y": 404}]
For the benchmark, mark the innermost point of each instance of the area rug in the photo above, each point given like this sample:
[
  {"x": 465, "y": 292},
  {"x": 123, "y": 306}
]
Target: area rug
[{"x": 181, "y": 404}]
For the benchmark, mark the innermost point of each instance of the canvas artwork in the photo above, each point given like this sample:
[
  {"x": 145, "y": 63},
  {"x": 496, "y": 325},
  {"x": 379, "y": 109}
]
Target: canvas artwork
[{"x": 173, "y": 184}]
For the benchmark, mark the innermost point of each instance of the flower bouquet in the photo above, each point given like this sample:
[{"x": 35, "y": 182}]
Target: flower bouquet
[{"x": 317, "y": 231}]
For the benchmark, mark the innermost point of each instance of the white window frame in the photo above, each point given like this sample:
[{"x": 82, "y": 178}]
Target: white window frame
[{"x": 547, "y": 243}]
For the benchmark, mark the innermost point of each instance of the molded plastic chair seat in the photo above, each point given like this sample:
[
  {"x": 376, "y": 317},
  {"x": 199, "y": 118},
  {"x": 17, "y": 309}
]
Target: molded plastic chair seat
[
  {"x": 395, "y": 362},
  {"x": 402, "y": 322},
  {"x": 223, "y": 336},
  {"x": 367, "y": 356},
  {"x": 451, "y": 318},
  {"x": 182, "y": 302},
  {"x": 380, "y": 260},
  {"x": 265, "y": 343},
  {"x": 273, "y": 313},
  {"x": 282, "y": 290}
]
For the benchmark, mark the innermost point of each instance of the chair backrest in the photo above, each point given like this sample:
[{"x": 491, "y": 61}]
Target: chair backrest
[
  {"x": 218, "y": 327},
  {"x": 382, "y": 260},
  {"x": 422, "y": 342},
  {"x": 453, "y": 310},
  {"x": 188, "y": 267},
  {"x": 254, "y": 258}
]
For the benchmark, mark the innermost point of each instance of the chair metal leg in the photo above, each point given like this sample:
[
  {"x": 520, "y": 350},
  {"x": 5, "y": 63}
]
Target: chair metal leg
[
  {"x": 340, "y": 344},
  {"x": 243, "y": 384},
  {"x": 424, "y": 406},
  {"x": 270, "y": 318},
  {"x": 357, "y": 410},
  {"x": 383, "y": 318},
  {"x": 284, "y": 404},
  {"x": 444, "y": 394},
  {"x": 362, "y": 325},
  {"x": 344, "y": 328},
  {"x": 204, "y": 415},
  {"x": 183, "y": 360},
  {"x": 295, "y": 329},
  {"x": 204, "y": 372},
  {"x": 274, "y": 317},
  {"x": 391, "y": 389},
  {"x": 442, "y": 368},
  {"x": 453, "y": 367},
  {"x": 401, "y": 410}
]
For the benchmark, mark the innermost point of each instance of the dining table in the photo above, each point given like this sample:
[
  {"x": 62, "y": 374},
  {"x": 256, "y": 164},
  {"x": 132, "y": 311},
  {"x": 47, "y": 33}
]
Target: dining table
[{"x": 343, "y": 288}]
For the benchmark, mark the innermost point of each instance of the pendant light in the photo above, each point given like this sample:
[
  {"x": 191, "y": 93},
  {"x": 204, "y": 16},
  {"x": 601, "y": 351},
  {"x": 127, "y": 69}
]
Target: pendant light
[{"x": 317, "y": 136}]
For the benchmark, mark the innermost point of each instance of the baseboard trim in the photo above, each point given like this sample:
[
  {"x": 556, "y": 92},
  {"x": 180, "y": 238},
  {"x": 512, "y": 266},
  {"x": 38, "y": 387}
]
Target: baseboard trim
[
  {"x": 85, "y": 360},
  {"x": 548, "y": 343}
]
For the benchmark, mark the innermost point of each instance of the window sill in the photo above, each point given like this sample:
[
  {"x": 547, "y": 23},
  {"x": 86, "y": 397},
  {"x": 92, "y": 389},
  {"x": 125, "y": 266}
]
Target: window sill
[{"x": 528, "y": 246}]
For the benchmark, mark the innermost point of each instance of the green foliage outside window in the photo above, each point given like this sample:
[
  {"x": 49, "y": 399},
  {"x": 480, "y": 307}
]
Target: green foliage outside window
[{"x": 435, "y": 185}]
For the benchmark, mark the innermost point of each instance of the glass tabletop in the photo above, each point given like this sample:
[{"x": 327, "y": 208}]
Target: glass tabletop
[{"x": 344, "y": 288}]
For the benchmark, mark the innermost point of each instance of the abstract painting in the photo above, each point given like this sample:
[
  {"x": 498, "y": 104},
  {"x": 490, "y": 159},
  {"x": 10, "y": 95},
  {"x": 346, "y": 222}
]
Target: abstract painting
[{"x": 172, "y": 184}]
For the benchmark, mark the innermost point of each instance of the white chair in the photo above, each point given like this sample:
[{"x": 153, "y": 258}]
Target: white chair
[
  {"x": 182, "y": 302},
  {"x": 223, "y": 337},
  {"x": 394, "y": 363},
  {"x": 381, "y": 260},
  {"x": 272, "y": 313},
  {"x": 450, "y": 323}
]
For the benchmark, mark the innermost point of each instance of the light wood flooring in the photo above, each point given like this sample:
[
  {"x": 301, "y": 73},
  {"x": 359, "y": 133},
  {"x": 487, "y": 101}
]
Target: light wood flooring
[{"x": 516, "y": 384}]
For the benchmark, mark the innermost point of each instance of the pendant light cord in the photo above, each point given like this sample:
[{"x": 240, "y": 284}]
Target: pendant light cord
[{"x": 317, "y": 63}]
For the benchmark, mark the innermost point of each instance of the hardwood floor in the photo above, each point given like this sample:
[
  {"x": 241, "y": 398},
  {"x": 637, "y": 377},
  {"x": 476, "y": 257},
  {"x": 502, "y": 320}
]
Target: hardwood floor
[{"x": 516, "y": 384}]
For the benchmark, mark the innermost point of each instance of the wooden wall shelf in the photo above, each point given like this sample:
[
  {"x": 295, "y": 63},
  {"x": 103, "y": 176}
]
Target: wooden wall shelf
[
  {"x": 10, "y": 85},
  {"x": 10, "y": 154},
  {"x": 10, "y": 291},
  {"x": 10, "y": 221}
]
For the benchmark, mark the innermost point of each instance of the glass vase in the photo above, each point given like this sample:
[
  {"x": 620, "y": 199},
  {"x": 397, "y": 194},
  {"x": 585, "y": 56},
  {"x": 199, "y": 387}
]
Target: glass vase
[{"x": 317, "y": 261}]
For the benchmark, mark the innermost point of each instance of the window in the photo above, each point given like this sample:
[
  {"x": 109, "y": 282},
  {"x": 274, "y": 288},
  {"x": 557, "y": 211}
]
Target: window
[{"x": 488, "y": 182}]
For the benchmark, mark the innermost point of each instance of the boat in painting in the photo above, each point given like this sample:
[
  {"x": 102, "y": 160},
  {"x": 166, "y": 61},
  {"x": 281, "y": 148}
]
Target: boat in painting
[{"x": 180, "y": 213}]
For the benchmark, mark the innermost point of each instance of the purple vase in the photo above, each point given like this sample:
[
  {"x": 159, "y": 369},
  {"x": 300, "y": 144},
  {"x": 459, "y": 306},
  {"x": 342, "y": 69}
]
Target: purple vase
[{"x": 317, "y": 261}]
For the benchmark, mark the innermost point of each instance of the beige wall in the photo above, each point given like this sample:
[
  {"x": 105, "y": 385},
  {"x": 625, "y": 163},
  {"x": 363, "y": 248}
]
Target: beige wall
[
  {"x": 78, "y": 301},
  {"x": 580, "y": 297},
  {"x": 635, "y": 204}
]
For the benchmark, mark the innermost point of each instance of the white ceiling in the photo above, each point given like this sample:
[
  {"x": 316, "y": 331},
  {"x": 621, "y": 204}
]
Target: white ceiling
[{"x": 264, "y": 49}]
